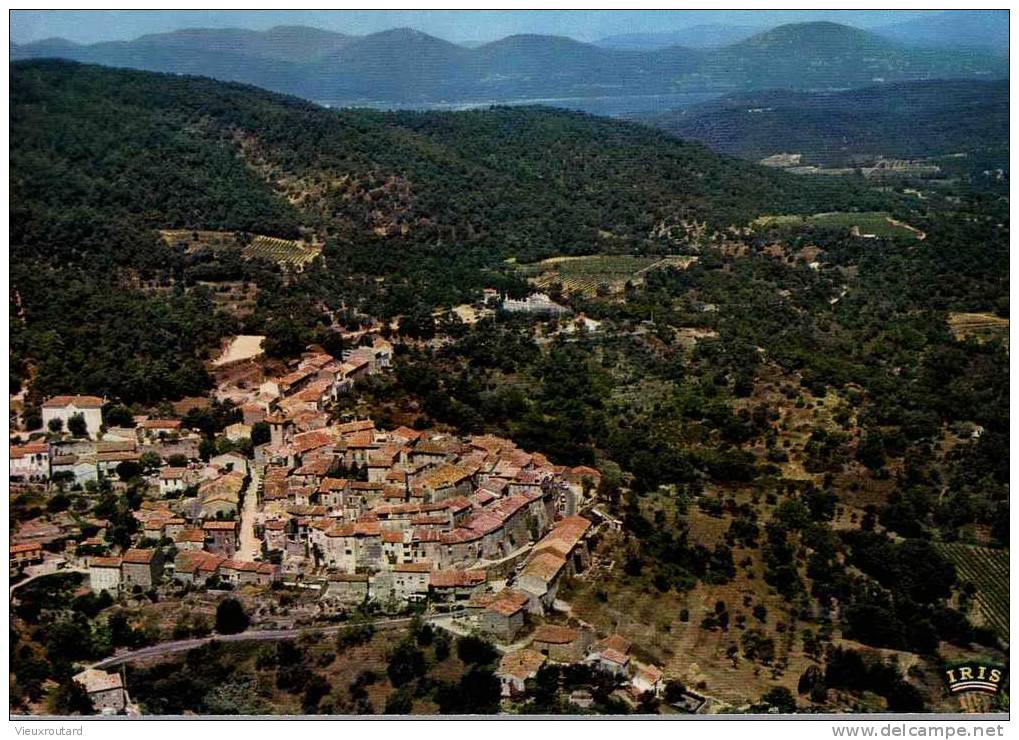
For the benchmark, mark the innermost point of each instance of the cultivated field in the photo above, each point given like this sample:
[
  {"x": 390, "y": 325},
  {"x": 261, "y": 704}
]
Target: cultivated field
[
  {"x": 588, "y": 274},
  {"x": 981, "y": 327},
  {"x": 290, "y": 255},
  {"x": 865, "y": 225},
  {"x": 987, "y": 569}
]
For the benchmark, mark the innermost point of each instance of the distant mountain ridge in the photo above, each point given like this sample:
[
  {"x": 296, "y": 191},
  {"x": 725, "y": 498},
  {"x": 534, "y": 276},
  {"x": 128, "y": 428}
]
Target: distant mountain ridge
[
  {"x": 408, "y": 66},
  {"x": 696, "y": 37},
  {"x": 953, "y": 29}
]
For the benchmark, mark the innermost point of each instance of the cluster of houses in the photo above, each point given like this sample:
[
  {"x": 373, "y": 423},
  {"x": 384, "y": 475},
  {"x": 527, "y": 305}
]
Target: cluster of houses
[
  {"x": 405, "y": 515},
  {"x": 474, "y": 526},
  {"x": 562, "y": 645}
]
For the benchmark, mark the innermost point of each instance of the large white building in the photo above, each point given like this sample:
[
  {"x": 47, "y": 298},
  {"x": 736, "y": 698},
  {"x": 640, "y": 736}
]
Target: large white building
[{"x": 64, "y": 407}]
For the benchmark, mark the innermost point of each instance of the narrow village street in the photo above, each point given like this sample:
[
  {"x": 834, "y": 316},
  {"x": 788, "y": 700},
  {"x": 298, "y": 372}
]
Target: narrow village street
[{"x": 249, "y": 546}]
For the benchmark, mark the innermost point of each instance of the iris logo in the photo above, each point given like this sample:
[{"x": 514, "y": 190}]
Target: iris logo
[{"x": 982, "y": 677}]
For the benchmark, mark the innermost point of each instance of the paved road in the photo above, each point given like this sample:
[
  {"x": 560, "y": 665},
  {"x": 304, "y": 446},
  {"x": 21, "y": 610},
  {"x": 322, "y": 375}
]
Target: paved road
[
  {"x": 250, "y": 547},
  {"x": 19, "y": 584},
  {"x": 180, "y": 646}
]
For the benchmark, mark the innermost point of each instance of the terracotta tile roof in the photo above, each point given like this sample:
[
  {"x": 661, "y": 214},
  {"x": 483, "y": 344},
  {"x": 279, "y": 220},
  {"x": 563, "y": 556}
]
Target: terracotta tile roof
[
  {"x": 34, "y": 448},
  {"x": 25, "y": 547},
  {"x": 555, "y": 634},
  {"x": 333, "y": 484},
  {"x": 507, "y": 602},
  {"x": 312, "y": 440},
  {"x": 616, "y": 642},
  {"x": 615, "y": 656},
  {"x": 160, "y": 424},
  {"x": 456, "y": 578},
  {"x": 93, "y": 680},
  {"x": 544, "y": 565},
  {"x": 407, "y": 433},
  {"x": 81, "y": 402},
  {"x": 564, "y": 536},
  {"x": 521, "y": 664},
  {"x": 219, "y": 526},
  {"x": 190, "y": 535},
  {"x": 197, "y": 560},
  {"x": 392, "y": 537},
  {"x": 104, "y": 563},
  {"x": 139, "y": 557},
  {"x": 361, "y": 440},
  {"x": 423, "y": 567},
  {"x": 350, "y": 427},
  {"x": 172, "y": 473}
]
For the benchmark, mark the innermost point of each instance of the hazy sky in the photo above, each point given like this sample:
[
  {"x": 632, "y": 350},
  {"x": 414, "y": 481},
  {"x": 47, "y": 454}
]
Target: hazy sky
[{"x": 87, "y": 26}]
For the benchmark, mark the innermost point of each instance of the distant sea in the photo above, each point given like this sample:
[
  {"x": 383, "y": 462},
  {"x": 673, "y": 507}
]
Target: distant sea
[{"x": 609, "y": 105}]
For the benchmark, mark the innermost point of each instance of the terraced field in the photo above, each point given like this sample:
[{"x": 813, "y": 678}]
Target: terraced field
[
  {"x": 981, "y": 327},
  {"x": 865, "y": 225},
  {"x": 987, "y": 569},
  {"x": 290, "y": 255},
  {"x": 588, "y": 274}
]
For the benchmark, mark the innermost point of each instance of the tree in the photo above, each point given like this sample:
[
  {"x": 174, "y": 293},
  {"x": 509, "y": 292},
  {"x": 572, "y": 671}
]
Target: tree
[
  {"x": 475, "y": 651},
  {"x": 55, "y": 425},
  {"x": 76, "y": 425},
  {"x": 405, "y": 664},
  {"x": 150, "y": 460},
  {"x": 399, "y": 702},
  {"x": 70, "y": 697},
  {"x": 230, "y": 617},
  {"x": 781, "y": 699},
  {"x": 674, "y": 691},
  {"x": 129, "y": 470}
]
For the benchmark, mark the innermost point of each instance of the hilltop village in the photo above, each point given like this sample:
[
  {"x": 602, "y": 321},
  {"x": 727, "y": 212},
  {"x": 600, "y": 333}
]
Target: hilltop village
[{"x": 472, "y": 532}]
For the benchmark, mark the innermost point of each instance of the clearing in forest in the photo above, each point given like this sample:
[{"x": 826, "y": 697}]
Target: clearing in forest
[
  {"x": 981, "y": 327},
  {"x": 866, "y": 225},
  {"x": 590, "y": 274},
  {"x": 241, "y": 347},
  {"x": 288, "y": 254},
  {"x": 987, "y": 569}
]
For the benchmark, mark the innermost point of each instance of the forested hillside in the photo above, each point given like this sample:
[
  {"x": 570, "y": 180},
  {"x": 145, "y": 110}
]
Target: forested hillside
[
  {"x": 433, "y": 201},
  {"x": 931, "y": 118}
]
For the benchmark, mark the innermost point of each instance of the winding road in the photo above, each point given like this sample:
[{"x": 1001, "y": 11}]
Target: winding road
[
  {"x": 180, "y": 646},
  {"x": 277, "y": 635}
]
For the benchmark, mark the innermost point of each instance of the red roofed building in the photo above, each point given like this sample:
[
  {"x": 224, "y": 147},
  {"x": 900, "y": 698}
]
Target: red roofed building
[
  {"x": 64, "y": 407},
  {"x": 142, "y": 568},
  {"x": 30, "y": 462}
]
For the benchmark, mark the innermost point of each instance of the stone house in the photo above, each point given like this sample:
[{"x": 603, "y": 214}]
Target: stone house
[
  {"x": 141, "y": 568},
  {"x": 516, "y": 668},
  {"x": 104, "y": 574},
  {"x": 503, "y": 615},
  {"x": 561, "y": 644},
  {"x": 220, "y": 537},
  {"x": 106, "y": 690}
]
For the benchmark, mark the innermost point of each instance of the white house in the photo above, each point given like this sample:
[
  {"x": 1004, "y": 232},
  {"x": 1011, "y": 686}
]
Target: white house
[
  {"x": 30, "y": 462},
  {"x": 172, "y": 480},
  {"x": 82, "y": 467},
  {"x": 64, "y": 407}
]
